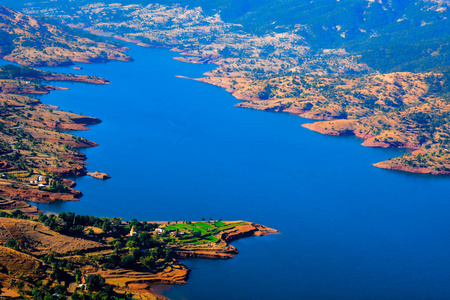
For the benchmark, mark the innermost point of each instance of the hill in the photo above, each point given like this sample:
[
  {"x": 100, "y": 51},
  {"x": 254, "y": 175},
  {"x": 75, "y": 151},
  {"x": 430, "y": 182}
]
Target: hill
[
  {"x": 294, "y": 65},
  {"x": 29, "y": 41},
  {"x": 387, "y": 35},
  {"x": 34, "y": 151}
]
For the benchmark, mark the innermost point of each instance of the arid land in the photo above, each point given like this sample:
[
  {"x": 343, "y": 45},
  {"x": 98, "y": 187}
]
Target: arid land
[
  {"x": 36, "y": 150},
  {"x": 281, "y": 72},
  {"x": 276, "y": 72},
  {"x": 32, "y": 42}
]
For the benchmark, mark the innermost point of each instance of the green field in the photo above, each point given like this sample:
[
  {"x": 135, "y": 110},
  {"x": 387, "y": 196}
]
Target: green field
[{"x": 206, "y": 230}]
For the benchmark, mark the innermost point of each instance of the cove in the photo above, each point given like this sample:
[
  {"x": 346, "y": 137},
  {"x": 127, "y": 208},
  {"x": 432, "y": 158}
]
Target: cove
[{"x": 179, "y": 150}]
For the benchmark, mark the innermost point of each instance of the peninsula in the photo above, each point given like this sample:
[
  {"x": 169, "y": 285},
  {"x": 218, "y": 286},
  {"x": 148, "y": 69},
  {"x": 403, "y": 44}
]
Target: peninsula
[{"x": 70, "y": 254}]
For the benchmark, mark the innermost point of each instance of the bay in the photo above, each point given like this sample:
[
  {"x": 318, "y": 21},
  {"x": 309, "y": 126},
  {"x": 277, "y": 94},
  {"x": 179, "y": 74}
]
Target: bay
[{"x": 179, "y": 150}]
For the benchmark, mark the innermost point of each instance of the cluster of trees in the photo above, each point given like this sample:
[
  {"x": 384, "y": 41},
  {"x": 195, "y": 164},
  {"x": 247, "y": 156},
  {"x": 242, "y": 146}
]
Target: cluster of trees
[
  {"x": 73, "y": 223},
  {"x": 96, "y": 289},
  {"x": 429, "y": 123},
  {"x": 7, "y": 42},
  {"x": 14, "y": 72},
  {"x": 143, "y": 226},
  {"x": 16, "y": 214},
  {"x": 17, "y": 160},
  {"x": 56, "y": 187},
  {"x": 266, "y": 93},
  {"x": 440, "y": 85},
  {"x": 145, "y": 248},
  {"x": 134, "y": 257}
]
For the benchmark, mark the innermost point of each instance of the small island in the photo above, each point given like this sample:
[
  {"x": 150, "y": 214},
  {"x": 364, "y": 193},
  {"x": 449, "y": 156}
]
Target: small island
[{"x": 99, "y": 175}]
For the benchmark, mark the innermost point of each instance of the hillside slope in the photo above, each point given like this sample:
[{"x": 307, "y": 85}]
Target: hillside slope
[
  {"x": 297, "y": 67},
  {"x": 389, "y": 36},
  {"x": 29, "y": 41}
]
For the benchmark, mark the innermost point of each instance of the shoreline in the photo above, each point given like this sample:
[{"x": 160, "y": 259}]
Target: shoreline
[
  {"x": 45, "y": 125},
  {"x": 368, "y": 140}
]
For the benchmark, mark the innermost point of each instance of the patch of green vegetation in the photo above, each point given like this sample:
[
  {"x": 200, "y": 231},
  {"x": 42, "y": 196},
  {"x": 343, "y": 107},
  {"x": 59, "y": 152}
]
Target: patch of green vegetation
[
  {"x": 199, "y": 232},
  {"x": 225, "y": 227},
  {"x": 7, "y": 43},
  {"x": 211, "y": 238},
  {"x": 14, "y": 72},
  {"x": 204, "y": 228}
]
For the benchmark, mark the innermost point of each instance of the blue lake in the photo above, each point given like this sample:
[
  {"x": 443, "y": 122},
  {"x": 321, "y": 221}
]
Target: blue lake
[{"x": 179, "y": 150}]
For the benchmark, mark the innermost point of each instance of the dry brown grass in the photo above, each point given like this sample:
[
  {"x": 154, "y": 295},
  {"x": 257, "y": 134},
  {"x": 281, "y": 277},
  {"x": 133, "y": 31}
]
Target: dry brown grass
[{"x": 39, "y": 240}]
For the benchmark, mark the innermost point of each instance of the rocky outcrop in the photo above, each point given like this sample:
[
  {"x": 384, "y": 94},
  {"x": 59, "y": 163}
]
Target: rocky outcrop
[
  {"x": 38, "y": 196},
  {"x": 251, "y": 229},
  {"x": 99, "y": 175},
  {"x": 369, "y": 140},
  {"x": 210, "y": 251},
  {"x": 68, "y": 183},
  {"x": 319, "y": 129},
  {"x": 12, "y": 205},
  {"x": 388, "y": 165},
  {"x": 67, "y": 172}
]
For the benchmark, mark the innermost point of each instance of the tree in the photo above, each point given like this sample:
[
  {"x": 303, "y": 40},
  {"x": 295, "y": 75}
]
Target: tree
[
  {"x": 147, "y": 261},
  {"x": 77, "y": 275},
  {"x": 118, "y": 245},
  {"x": 94, "y": 282},
  {"x": 12, "y": 244},
  {"x": 134, "y": 222},
  {"x": 131, "y": 244},
  {"x": 128, "y": 261}
]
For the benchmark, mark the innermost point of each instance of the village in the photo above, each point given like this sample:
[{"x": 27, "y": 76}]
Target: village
[{"x": 108, "y": 255}]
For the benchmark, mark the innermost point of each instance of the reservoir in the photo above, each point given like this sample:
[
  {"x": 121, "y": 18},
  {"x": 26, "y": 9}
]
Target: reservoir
[{"x": 179, "y": 150}]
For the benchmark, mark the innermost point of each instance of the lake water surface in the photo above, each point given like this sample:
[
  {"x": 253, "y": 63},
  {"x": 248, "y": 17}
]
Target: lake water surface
[{"x": 179, "y": 150}]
